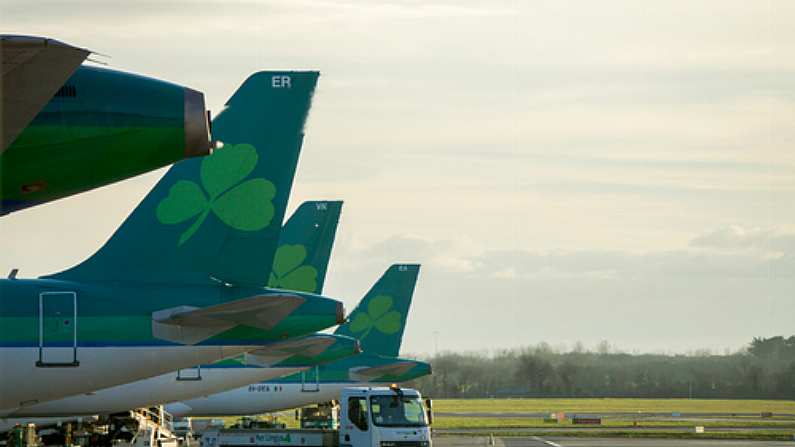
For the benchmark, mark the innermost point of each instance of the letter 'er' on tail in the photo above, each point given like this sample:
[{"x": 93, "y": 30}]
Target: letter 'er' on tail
[
  {"x": 380, "y": 318},
  {"x": 217, "y": 219}
]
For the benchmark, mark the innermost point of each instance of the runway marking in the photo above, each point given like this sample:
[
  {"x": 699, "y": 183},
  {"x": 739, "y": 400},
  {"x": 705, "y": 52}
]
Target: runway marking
[{"x": 550, "y": 443}]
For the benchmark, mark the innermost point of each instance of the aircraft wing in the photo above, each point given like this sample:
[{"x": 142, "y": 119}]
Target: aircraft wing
[
  {"x": 190, "y": 325},
  {"x": 366, "y": 373},
  {"x": 33, "y": 69},
  {"x": 274, "y": 353}
]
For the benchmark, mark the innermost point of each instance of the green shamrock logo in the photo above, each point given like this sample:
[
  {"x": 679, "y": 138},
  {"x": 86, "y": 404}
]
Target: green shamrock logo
[
  {"x": 379, "y": 316},
  {"x": 243, "y": 205},
  {"x": 288, "y": 271}
]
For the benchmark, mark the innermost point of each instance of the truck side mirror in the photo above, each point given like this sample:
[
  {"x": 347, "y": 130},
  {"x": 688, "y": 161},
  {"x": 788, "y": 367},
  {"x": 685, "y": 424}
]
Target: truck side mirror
[{"x": 429, "y": 407}]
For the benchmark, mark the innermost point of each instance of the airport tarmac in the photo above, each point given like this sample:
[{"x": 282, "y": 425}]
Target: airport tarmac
[{"x": 535, "y": 441}]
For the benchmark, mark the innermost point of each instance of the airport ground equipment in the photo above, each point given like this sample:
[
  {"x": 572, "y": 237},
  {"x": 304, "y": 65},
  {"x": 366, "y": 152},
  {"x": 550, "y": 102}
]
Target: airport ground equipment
[
  {"x": 143, "y": 427},
  {"x": 368, "y": 417},
  {"x": 320, "y": 416},
  {"x": 67, "y": 128},
  {"x": 181, "y": 281}
]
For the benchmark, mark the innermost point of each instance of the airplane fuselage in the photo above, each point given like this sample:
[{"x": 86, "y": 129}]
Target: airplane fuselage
[
  {"x": 286, "y": 358},
  {"x": 319, "y": 384},
  {"x": 259, "y": 398},
  {"x": 60, "y": 338},
  {"x": 170, "y": 387}
]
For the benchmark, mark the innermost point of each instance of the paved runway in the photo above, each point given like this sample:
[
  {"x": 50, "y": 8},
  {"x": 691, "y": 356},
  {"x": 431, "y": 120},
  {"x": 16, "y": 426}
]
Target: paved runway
[{"x": 534, "y": 441}]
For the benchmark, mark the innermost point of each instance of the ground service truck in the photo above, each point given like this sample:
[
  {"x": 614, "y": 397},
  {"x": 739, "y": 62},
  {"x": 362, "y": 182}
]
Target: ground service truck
[{"x": 368, "y": 417}]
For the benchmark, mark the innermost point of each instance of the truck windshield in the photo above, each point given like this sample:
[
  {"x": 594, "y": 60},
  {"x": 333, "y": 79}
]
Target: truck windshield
[{"x": 397, "y": 411}]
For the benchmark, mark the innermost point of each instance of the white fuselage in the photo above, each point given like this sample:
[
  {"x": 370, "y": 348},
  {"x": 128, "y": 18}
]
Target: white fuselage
[
  {"x": 157, "y": 390},
  {"x": 258, "y": 398},
  {"x": 24, "y": 385}
]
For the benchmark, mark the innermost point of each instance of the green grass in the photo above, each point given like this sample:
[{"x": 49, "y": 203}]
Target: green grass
[
  {"x": 621, "y": 427},
  {"x": 469, "y": 423},
  {"x": 611, "y": 405}
]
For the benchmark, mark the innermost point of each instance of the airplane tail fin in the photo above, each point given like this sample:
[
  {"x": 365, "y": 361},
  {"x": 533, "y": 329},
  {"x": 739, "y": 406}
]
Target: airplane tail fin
[
  {"x": 217, "y": 218},
  {"x": 380, "y": 318},
  {"x": 305, "y": 244}
]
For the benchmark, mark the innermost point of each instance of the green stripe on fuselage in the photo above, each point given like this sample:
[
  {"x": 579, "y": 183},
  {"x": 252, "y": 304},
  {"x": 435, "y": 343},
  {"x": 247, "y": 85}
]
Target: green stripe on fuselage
[{"x": 126, "y": 320}]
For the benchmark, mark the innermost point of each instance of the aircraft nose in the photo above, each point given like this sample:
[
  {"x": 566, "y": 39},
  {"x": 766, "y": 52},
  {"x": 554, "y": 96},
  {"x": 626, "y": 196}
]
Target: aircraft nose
[{"x": 197, "y": 125}]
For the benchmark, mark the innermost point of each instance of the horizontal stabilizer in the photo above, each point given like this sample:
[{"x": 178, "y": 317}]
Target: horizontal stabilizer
[
  {"x": 273, "y": 354},
  {"x": 33, "y": 69},
  {"x": 371, "y": 373},
  {"x": 190, "y": 325}
]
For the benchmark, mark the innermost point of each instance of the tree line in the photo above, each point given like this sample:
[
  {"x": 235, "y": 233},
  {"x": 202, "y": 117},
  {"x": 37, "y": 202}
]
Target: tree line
[{"x": 765, "y": 369}]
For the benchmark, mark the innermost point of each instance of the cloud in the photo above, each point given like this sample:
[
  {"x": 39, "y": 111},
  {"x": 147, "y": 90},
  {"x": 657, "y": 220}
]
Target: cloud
[
  {"x": 674, "y": 300},
  {"x": 736, "y": 237},
  {"x": 446, "y": 255},
  {"x": 452, "y": 257},
  {"x": 622, "y": 266}
]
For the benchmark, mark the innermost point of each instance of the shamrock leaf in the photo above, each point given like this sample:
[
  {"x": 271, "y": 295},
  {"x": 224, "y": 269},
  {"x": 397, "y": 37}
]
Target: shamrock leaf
[
  {"x": 227, "y": 167},
  {"x": 243, "y": 205},
  {"x": 185, "y": 200},
  {"x": 361, "y": 322},
  {"x": 389, "y": 323},
  {"x": 379, "y": 315},
  {"x": 379, "y": 305},
  {"x": 288, "y": 273},
  {"x": 247, "y": 206}
]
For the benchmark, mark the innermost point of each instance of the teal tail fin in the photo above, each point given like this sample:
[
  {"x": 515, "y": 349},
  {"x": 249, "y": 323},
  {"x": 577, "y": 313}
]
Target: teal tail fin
[
  {"x": 305, "y": 244},
  {"x": 380, "y": 318},
  {"x": 217, "y": 218}
]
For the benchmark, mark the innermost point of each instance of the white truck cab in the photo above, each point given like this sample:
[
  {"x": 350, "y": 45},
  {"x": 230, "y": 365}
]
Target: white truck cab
[{"x": 384, "y": 417}]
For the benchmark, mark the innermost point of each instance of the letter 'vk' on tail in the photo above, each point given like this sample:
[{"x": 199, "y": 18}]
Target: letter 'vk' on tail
[
  {"x": 380, "y": 318},
  {"x": 217, "y": 218},
  {"x": 305, "y": 244}
]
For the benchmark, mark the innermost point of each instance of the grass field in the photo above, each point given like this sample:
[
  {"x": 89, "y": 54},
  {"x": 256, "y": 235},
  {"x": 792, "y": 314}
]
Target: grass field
[
  {"x": 468, "y": 423},
  {"x": 451, "y": 418},
  {"x": 611, "y": 405}
]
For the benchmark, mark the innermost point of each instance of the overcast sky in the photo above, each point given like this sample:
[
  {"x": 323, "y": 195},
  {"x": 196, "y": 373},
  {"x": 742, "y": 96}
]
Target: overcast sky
[{"x": 564, "y": 170}]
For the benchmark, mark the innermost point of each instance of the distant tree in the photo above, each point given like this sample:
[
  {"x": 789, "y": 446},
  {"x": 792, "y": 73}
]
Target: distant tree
[
  {"x": 785, "y": 382},
  {"x": 567, "y": 374},
  {"x": 534, "y": 372},
  {"x": 765, "y": 369}
]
